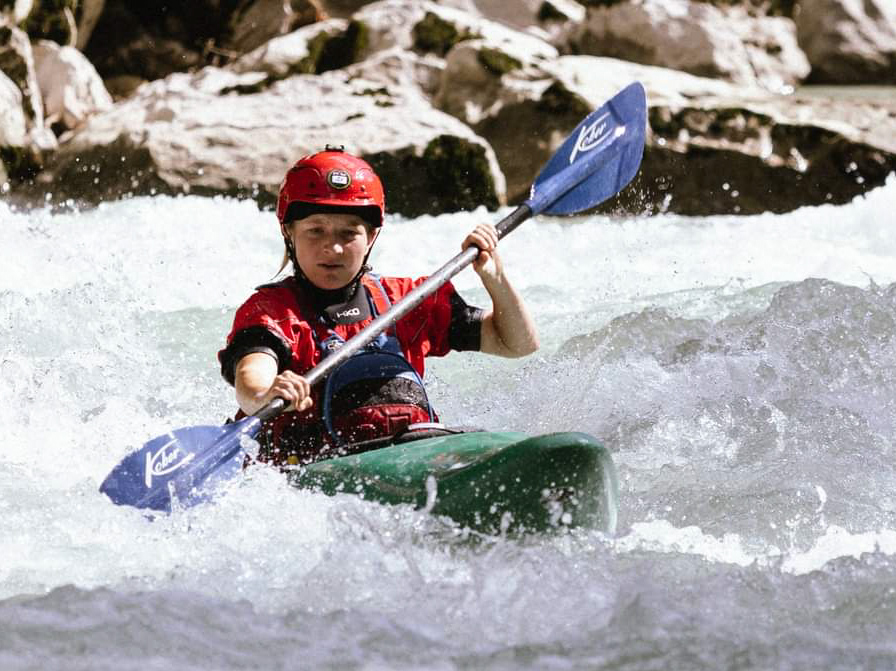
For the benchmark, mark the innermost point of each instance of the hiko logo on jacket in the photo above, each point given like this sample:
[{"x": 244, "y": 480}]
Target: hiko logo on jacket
[{"x": 352, "y": 312}]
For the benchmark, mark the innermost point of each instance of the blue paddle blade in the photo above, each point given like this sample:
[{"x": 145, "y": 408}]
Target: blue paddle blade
[
  {"x": 599, "y": 158},
  {"x": 182, "y": 466}
]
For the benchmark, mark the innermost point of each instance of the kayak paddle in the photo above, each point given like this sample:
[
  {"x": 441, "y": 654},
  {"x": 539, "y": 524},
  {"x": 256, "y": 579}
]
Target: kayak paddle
[{"x": 597, "y": 160}]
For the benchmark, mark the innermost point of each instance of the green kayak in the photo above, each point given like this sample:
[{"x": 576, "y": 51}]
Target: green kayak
[{"x": 490, "y": 482}]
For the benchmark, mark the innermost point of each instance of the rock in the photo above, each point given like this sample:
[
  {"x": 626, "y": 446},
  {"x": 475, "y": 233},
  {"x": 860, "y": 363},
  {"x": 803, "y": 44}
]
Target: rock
[
  {"x": 422, "y": 27},
  {"x": 128, "y": 40},
  {"x": 342, "y": 8},
  {"x": 697, "y": 38},
  {"x": 255, "y": 22},
  {"x": 150, "y": 40},
  {"x": 309, "y": 50},
  {"x": 71, "y": 88},
  {"x": 713, "y": 147},
  {"x": 474, "y": 86},
  {"x": 849, "y": 41},
  {"x": 53, "y": 21},
  {"x": 198, "y": 133},
  {"x": 716, "y": 148},
  {"x": 449, "y": 104},
  {"x": 91, "y": 10},
  {"x": 13, "y": 128},
  {"x": 17, "y": 13},
  {"x": 427, "y": 27},
  {"x": 518, "y": 15},
  {"x": 398, "y": 69},
  {"x": 17, "y": 63},
  {"x": 21, "y": 147}
]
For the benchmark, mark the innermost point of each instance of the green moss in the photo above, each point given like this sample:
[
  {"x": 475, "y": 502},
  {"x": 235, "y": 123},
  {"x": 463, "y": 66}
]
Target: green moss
[
  {"x": 497, "y": 62},
  {"x": 559, "y": 100},
  {"x": 433, "y": 34},
  {"x": 344, "y": 49},
  {"x": 327, "y": 51},
  {"x": 459, "y": 174}
]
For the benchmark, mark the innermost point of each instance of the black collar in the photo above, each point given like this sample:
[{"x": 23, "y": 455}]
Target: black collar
[{"x": 347, "y": 305}]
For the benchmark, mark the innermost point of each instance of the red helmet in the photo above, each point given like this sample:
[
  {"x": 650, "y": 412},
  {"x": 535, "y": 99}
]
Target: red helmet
[{"x": 331, "y": 180}]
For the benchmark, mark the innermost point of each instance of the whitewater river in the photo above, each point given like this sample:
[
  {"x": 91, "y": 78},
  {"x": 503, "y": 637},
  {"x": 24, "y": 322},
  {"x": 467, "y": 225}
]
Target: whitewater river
[{"x": 742, "y": 371}]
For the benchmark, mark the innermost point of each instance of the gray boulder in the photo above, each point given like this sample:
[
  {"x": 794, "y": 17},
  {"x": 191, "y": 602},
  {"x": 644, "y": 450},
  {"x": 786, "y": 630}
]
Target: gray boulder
[
  {"x": 849, "y": 41},
  {"x": 698, "y": 38},
  {"x": 15, "y": 12},
  {"x": 216, "y": 133},
  {"x": 70, "y": 86},
  {"x": 13, "y": 127},
  {"x": 254, "y": 22}
]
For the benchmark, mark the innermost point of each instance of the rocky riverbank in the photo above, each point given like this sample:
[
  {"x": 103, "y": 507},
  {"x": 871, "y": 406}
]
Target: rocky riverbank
[{"x": 457, "y": 103}]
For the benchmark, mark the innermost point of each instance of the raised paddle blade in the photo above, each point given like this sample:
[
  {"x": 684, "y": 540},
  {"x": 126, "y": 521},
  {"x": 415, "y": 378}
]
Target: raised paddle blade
[
  {"x": 599, "y": 158},
  {"x": 183, "y": 465}
]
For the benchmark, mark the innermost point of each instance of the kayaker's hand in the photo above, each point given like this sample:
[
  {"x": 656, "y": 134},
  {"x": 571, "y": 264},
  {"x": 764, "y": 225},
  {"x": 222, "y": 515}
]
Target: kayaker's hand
[
  {"x": 293, "y": 389},
  {"x": 488, "y": 263}
]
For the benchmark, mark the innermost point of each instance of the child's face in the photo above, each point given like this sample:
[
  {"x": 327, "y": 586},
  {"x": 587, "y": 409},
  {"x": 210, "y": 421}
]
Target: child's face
[{"x": 331, "y": 248}]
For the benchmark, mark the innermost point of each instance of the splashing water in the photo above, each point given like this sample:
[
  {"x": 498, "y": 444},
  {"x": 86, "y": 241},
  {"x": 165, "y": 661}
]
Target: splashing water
[{"x": 741, "y": 370}]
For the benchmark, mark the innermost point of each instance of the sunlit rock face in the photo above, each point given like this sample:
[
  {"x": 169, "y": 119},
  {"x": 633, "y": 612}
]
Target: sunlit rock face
[{"x": 849, "y": 42}]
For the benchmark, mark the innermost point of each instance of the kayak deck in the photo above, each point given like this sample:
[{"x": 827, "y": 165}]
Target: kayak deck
[{"x": 490, "y": 482}]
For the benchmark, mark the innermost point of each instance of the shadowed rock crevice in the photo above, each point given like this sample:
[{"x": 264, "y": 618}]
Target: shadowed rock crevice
[{"x": 452, "y": 174}]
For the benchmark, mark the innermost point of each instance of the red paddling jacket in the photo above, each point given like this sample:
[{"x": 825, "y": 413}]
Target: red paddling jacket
[{"x": 373, "y": 394}]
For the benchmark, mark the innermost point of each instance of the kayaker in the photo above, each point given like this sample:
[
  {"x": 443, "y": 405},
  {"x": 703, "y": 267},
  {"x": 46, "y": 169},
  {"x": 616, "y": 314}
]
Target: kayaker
[{"x": 331, "y": 210}]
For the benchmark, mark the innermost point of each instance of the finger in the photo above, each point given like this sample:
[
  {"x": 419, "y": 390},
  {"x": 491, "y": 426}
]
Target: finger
[
  {"x": 487, "y": 235},
  {"x": 477, "y": 240},
  {"x": 480, "y": 261}
]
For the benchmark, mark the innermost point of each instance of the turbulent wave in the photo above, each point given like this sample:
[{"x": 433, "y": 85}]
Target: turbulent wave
[{"x": 740, "y": 370}]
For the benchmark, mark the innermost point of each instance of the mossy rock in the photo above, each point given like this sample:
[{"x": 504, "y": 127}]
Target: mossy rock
[
  {"x": 459, "y": 173},
  {"x": 435, "y": 35},
  {"x": 453, "y": 174},
  {"x": 341, "y": 50},
  {"x": 497, "y": 62},
  {"x": 326, "y": 51},
  {"x": 559, "y": 100}
]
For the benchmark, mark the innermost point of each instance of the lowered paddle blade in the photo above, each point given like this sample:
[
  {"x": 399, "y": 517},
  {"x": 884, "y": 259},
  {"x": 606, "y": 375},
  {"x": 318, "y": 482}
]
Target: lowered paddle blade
[
  {"x": 599, "y": 158},
  {"x": 183, "y": 465}
]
